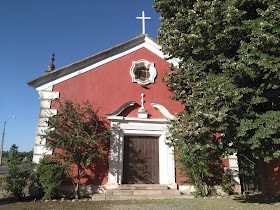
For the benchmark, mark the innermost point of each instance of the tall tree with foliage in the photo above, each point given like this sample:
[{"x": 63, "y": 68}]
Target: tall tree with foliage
[
  {"x": 76, "y": 136},
  {"x": 228, "y": 76}
]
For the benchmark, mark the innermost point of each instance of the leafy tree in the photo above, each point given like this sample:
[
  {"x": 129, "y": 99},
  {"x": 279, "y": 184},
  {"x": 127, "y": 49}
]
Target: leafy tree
[
  {"x": 13, "y": 155},
  {"x": 228, "y": 76},
  {"x": 25, "y": 157},
  {"x": 75, "y": 135}
]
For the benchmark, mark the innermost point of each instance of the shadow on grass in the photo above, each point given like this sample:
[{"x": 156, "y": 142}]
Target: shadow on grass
[
  {"x": 9, "y": 200},
  {"x": 260, "y": 199}
]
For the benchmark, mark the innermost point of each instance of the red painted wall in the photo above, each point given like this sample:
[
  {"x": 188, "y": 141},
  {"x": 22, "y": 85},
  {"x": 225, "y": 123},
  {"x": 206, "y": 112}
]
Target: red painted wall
[
  {"x": 270, "y": 177},
  {"x": 110, "y": 85}
]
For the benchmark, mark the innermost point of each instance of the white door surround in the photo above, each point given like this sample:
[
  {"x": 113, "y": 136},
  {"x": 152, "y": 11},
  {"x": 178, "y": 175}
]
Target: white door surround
[{"x": 129, "y": 126}]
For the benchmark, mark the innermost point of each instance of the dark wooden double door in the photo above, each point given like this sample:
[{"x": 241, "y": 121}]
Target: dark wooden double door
[{"x": 141, "y": 160}]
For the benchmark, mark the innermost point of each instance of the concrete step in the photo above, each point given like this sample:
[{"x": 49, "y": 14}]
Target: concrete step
[
  {"x": 147, "y": 197},
  {"x": 142, "y": 187},
  {"x": 143, "y": 192}
]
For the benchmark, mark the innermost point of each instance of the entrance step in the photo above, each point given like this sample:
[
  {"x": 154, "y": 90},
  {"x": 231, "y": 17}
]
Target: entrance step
[
  {"x": 141, "y": 192},
  {"x": 142, "y": 187}
]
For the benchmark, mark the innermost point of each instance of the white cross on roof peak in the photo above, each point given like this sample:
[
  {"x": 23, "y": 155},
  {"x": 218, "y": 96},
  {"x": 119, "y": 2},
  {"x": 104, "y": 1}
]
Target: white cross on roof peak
[{"x": 143, "y": 21}]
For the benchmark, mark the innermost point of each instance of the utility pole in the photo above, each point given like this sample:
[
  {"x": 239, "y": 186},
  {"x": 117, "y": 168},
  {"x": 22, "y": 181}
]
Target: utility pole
[{"x": 2, "y": 143}]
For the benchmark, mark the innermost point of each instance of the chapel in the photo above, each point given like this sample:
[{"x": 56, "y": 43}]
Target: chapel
[{"x": 124, "y": 83}]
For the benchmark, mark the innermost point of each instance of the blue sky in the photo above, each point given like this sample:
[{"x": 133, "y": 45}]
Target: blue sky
[{"x": 31, "y": 30}]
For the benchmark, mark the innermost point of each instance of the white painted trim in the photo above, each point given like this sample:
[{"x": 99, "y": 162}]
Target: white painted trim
[
  {"x": 46, "y": 97},
  {"x": 121, "y": 108},
  {"x": 141, "y": 120},
  {"x": 149, "y": 44},
  {"x": 144, "y": 127},
  {"x": 156, "y": 49},
  {"x": 233, "y": 167},
  {"x": 147, "y": 65},
  {"x": 164, "y": 111},
  {"x": 153, "y": 44}
]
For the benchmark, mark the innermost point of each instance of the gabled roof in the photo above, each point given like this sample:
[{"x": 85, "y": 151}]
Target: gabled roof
[{"x": 93, "y": 61}]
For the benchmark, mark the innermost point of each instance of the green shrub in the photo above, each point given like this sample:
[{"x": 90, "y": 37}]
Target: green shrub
[
  {"x": 50, "y": 176},
  {"x": 17, "y": 179},
  {"x": 2, "y": 182},
  {"x": 226, "y": 185},
  {"x": 19, "y": 175}
]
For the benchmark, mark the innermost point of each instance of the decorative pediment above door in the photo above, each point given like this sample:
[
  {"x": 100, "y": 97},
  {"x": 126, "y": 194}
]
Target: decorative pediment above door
[{"x": 164, "y": 111}]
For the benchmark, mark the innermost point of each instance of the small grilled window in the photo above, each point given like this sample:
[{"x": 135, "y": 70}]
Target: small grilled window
[{"x": 142, "y": 73}]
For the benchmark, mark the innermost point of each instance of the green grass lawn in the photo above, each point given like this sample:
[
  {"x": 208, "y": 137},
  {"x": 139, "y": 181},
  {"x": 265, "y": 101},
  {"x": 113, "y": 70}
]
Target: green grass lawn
[{"x": 254, "y": 202}]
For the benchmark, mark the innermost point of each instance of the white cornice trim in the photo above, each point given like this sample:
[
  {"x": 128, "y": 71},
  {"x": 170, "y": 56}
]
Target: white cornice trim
[
  {"x": 81, "y": 71},
  {"x": 148, "y": 44},
  {"x": 121, "y": 108},
  {"x": 164, "y": 111},
  {"x": 135, "y": 119},
  {"x": 156, "y": 49}
]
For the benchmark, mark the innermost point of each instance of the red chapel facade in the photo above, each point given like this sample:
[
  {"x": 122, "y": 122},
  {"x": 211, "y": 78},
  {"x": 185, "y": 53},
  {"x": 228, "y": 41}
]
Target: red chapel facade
[{"x": 124, "y": 83}]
